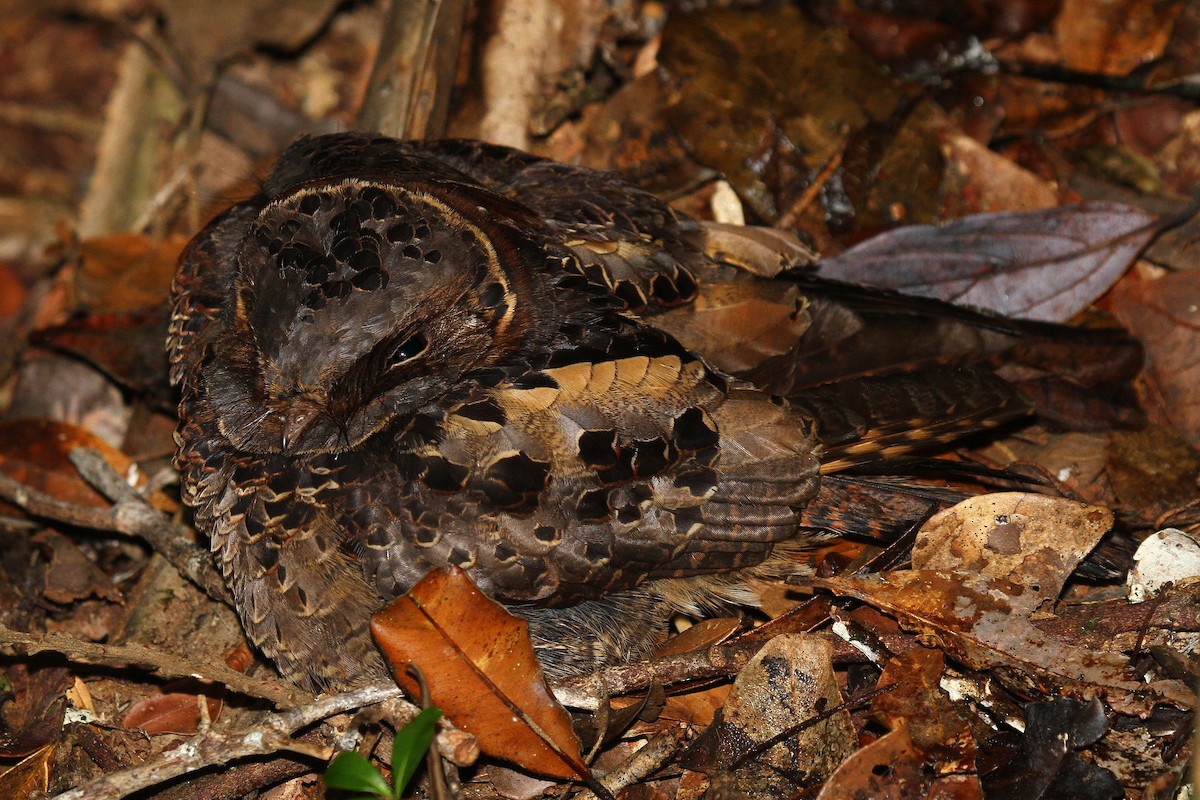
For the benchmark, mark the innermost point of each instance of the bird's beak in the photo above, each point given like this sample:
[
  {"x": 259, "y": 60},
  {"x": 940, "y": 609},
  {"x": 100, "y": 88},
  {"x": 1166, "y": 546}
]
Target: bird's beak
[{"x": 297, "y": 419}]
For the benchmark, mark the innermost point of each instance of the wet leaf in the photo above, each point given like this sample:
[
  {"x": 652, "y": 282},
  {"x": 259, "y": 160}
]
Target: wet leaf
[
  {"x": 1046, "y": 765},
  {"x": 481, "y": 671},
  {"x": 1043, "y": 265}
]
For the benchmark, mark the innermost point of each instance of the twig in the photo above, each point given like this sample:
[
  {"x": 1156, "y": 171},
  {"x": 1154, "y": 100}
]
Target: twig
[
  {"x": 719, "y": 661},
  {"x": 409, "y": 91},
  {"x": 271, "y": 735},
  {"x": 642, "y": 764},
  {"x": 130, "y": 515},
  {"x": 157, "y": 661}
]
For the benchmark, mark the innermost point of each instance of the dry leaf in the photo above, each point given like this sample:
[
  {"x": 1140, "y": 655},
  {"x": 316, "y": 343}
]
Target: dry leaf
[
  {"x": 30, "y": 777},
  {"x": 72, "y": 575},
  {"x": 787, "y": 683},
  {"x": 173, "y": 711},
  {"x": 35, "y": 452},
  {"x": 126, "y": 273},
  {"x": 1164, "y": 314},
  {"x": 33, "y": 708},
  {"x": 891, "y": 768},
  {"x": 1032, "y": 540},
  {"x": 1043, "y": 265},
  {"x": 979, "y": 621},
  {"x": 481, "y": 671},
  {"x": 1114, "y": 37}
]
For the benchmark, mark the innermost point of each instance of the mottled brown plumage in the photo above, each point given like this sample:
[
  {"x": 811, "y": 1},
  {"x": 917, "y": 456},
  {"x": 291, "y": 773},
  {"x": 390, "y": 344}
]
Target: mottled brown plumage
[{"x": 398, "y": 356}]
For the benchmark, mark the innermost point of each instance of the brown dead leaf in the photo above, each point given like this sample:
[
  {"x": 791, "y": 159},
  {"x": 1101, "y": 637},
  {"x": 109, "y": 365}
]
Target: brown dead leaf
[
  {"x": 126, "y": 347},
  {"x": 126, "y": 273},
  {"x": 175, "y": 710},
  {"x": 788, "y": 682},
  {"x": 481, "y": 671},
  {"x": 1033, "y": 540},
  {"x": 979, "y": 621},
  {"x": 1164, "y": 313},
  {"x": 12, "y": 291},
  {"x": 35, "y": 452},
  {"x": 917, "y": 702},
  {"x": 892, "y": 768},
  {"x": 1152, "y": 470},
  {"x": 72, "y": 575},
  {"x": 1116, "y": 37},
  {"x": 978, "y": 179},
  {"x": 206, "y": 34},
  {"x": 32, "y": 712},
  {"x": 769, "y": 97}
]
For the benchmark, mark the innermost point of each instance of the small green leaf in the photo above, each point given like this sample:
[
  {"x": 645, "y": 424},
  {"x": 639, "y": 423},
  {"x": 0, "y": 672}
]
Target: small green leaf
[
  {"x": 409, "y": 746},
  {"x": 352, "y": 772}
]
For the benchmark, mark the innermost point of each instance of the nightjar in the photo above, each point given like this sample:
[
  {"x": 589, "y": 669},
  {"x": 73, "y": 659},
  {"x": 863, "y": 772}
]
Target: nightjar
[{"x": 398, "y": 356}]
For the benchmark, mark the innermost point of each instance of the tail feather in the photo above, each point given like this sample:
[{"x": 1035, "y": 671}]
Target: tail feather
[{"x": 889, "y": 418}]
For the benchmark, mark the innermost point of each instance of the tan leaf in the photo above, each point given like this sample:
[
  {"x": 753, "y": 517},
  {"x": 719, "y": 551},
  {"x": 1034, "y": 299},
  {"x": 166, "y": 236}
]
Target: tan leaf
[
  {"x": 481, "y": 671},
  {"x": 1033, "y": 540}
]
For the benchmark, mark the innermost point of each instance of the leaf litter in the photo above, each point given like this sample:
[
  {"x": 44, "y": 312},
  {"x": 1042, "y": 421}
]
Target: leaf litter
[{"x": 1006, "y": 662}]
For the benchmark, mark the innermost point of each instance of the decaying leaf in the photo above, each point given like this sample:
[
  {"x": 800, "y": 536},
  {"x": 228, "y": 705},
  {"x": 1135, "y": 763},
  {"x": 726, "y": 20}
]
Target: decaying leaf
[
  {"x": 917, "y": 703},
  {"x": 1046, "y": 765},
  {"x": 72, "y": 575},
  {"x": 1032, "y": 540},
  {"x": 787, "y": 683},
  {"x": 979, "y": 621},
  {"x": 1044, "y": 265},
  {"x": 481, "y": 671},
  {"x": 892, "y": 768}
]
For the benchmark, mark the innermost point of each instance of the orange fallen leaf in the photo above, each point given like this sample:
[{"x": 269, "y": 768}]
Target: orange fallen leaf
[
  {"x": 481, "y": 670},
  {"x": 35, "y": 452}
]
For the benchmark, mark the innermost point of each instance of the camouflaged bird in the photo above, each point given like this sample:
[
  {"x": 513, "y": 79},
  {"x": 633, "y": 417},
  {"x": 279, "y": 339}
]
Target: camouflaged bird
[{"x": 401, "y": 356}]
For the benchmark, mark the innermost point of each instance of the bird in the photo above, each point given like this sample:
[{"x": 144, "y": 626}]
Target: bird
[{"x": 398, "y": 356}]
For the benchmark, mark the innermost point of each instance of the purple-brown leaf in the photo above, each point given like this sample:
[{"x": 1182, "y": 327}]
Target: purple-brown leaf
[{"x": 1043, "y": 265}]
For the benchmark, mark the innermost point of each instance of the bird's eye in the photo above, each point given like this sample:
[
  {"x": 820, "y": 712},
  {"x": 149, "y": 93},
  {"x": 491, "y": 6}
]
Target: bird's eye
[{"x": 408, "y": 349}]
